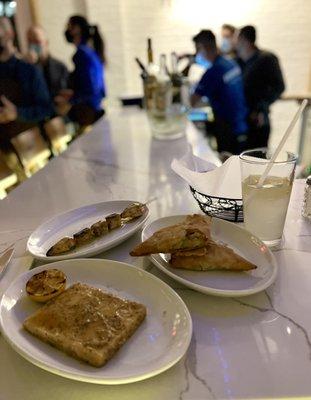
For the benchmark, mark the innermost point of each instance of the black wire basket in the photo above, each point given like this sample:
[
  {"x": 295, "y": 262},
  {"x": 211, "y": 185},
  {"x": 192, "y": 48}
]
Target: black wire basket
[{"x": 220, "y": 207}]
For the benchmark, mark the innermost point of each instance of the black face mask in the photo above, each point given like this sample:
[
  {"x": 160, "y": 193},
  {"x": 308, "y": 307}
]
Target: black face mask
[
  {"x": 68, "y": 36},
  {"x": 1, "y": 48}
]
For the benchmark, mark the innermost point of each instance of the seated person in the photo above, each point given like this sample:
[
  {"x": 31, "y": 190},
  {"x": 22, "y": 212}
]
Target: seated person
[
  {"x": 55, "y": 72},
  {"x": 222, "y": 85},
  {"x": 24, "y": 94},
  {"x": 87, "y": 79}
]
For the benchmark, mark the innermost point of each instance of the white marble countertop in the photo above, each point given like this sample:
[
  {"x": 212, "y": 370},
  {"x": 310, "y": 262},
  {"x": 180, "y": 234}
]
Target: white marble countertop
[{"x": 255, "y": 347}]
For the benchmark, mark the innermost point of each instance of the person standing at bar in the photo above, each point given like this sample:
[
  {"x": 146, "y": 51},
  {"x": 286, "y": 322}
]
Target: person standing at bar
[
  {"x": 263, "y": 84},
  {"x": 222, "y": 85},
  {"x": 55, "y": 72},
  {"x": 227, "y": 43},
  {"x": 87, "y": 79}
]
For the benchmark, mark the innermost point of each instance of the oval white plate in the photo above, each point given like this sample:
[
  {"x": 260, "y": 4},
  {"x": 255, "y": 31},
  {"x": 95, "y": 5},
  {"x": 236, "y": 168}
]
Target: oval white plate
[
  {"x": 48, "y": 233},
  {"x": 222, "y": 283},
  {"x": 159, "y": 343}
]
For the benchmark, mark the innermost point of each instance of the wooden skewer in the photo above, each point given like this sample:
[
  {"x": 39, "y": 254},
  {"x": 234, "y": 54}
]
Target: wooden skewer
[{"x": 123, "y": 222}]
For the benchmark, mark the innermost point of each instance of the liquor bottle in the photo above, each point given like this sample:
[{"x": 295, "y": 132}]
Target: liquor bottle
[
  {"x": 144, "y": 72},
  {"x": 152, "y": 68},
  {"x": 150, "y": 80},
  {"x": 163, "y": 75},
  {"x": 149, "y": 51},
  {"x": 163, "y": 90},
  {"x": 177, "y": 79}
]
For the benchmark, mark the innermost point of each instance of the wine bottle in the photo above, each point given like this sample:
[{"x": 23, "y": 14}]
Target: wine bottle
[
  {"x": 163, "y": 90},
  {"x": 149, "y": 51},
  {"x": 177, "y": 79}
]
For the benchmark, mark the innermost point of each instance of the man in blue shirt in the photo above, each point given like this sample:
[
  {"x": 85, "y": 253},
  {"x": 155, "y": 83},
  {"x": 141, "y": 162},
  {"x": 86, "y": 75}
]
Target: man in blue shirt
[
  {"x": 222, "y": 85},
  {"x": 24, "y": 95}
]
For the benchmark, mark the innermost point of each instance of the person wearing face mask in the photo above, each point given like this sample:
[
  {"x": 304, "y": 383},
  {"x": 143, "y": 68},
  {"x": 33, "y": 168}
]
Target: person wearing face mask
[
  {"x": 227, "y": 44},
  {"x": 222, "y": 85},
  {"x": 87, "y": 79},
  {"x": 55, "y": 72},
  {"x": 263, "y": 83},
  {"x": 24, "y": 95}
]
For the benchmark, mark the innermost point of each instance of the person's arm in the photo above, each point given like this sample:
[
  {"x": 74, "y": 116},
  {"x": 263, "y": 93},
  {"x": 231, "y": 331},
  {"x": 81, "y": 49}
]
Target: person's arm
[
  {"x": 87, "y": 75},
  {"x": 64, "y": 77},
  {"x": 205, "y": 88},
  {"x": 39, "y": 105},
  {"x": 275, "y": 85}
]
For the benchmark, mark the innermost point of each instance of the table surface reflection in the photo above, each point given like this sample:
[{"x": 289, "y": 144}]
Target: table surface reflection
[{"x": 253, "y": 347}]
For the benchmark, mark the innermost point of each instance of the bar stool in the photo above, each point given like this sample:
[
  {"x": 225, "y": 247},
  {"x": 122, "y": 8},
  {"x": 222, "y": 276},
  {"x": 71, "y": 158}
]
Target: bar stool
[
  {"x": 32, "y": 150},
  {"x": 58, "y": 134},
  {"x": 8, "y": 178}
]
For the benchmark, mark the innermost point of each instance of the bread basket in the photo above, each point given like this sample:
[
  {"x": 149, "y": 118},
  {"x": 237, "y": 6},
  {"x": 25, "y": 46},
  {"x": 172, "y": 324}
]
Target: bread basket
[{"x": 219, "y": 207}]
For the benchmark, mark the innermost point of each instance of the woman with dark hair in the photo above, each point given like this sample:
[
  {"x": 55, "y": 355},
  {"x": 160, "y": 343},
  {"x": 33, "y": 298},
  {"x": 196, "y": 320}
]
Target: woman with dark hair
[{"x": 87, "y": 79}]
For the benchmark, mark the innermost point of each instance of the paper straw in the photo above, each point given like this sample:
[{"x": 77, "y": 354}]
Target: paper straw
[{"x": 282, "y": 142}]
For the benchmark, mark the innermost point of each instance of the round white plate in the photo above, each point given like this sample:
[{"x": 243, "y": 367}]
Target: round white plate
[
  {"x": 222, "y": 283},
  {"x": 159, "y": 343},
  {"x": 48, "y": 233}
]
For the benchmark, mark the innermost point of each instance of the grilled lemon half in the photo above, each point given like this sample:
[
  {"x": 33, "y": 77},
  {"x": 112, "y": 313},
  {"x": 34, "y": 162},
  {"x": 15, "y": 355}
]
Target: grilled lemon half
[{"x": 45, "y": 285}]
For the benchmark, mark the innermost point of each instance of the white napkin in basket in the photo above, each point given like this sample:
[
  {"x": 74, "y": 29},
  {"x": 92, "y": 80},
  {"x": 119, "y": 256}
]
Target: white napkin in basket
[{"x": 207, "y": 178}]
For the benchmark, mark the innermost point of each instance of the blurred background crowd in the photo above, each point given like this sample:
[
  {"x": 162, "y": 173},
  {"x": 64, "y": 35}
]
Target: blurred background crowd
[{"x": 75, "y": 59}]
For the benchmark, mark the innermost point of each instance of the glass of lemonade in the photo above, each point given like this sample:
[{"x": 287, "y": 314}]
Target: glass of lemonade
[{"x": 265, "y": 208}]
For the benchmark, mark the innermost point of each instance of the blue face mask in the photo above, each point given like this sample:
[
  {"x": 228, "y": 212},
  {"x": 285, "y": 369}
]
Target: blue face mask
[
  {"x": 225, "y": 46},
  {"x": 201, "y": 60},
  {"x": 36, "y": 48}
]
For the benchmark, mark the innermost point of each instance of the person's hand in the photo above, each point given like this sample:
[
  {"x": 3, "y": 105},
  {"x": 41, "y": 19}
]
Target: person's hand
[
  {"x": 8, "y": 112},
  {"x": 66, "y": 93},
  {"x": 257, "y": 118},
  {"x": 62, "y": 105}
]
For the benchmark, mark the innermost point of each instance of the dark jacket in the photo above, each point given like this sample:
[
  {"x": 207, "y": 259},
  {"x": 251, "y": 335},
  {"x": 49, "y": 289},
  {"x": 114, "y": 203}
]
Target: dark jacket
[
  {"x": 56, "y": 75},
  {"x": 24, "y": 85},
  {"x": 263, "y": 81}
]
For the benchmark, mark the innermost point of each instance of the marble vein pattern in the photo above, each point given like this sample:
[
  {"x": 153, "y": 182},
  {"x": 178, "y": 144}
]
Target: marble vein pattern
[
  {"x": 242, "y": 348},
  {"x": 271, "y": 308}
]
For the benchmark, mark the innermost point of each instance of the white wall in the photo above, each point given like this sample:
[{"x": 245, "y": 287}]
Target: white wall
[
  {"x": 108, "y": 14},
  {"x": 53, "y": 16},
  {"x": 283, "y": 27},
  {"x": 23, "y": 19}
]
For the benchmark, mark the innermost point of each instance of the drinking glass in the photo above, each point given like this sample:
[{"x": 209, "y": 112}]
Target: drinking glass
[{"x": 265, "y": 207}]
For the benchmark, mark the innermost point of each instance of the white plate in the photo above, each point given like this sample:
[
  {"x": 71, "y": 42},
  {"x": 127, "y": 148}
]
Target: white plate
[
  {"x": 159, "y": 343},
  {"x": 222, "y": 283},
  {"x": 48, "y": 233}
]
